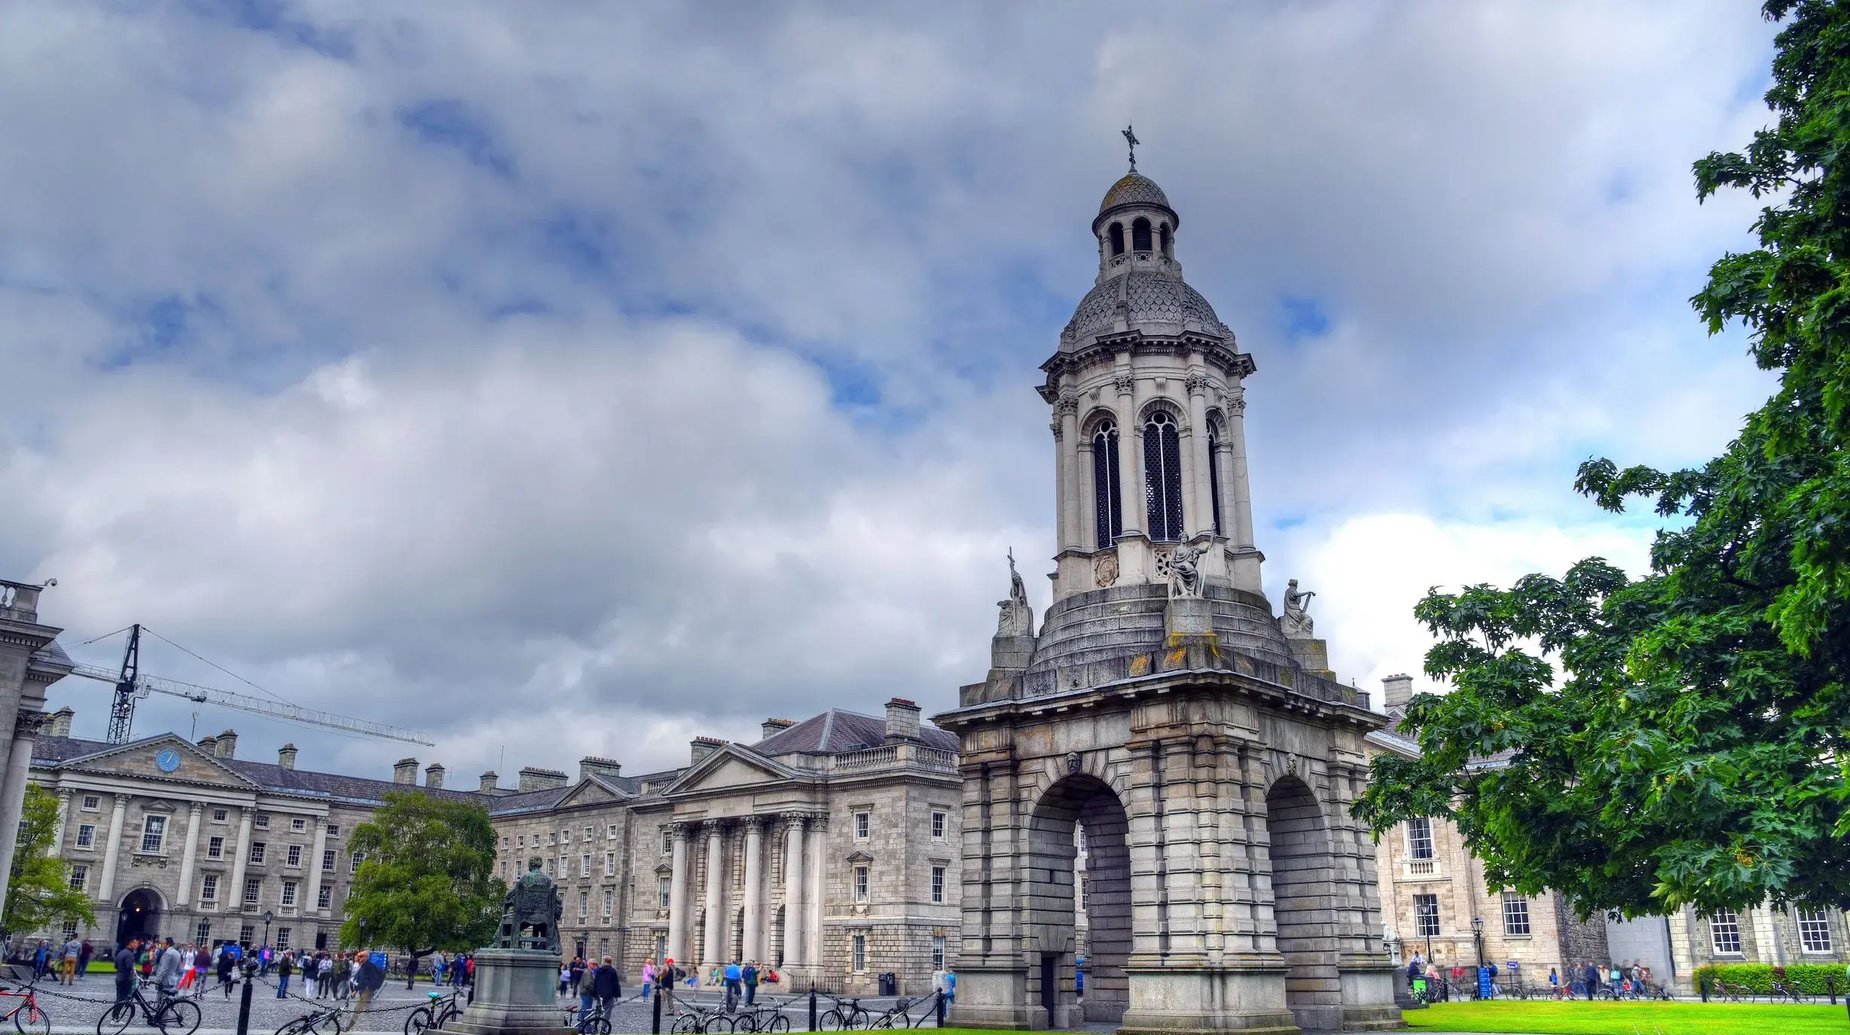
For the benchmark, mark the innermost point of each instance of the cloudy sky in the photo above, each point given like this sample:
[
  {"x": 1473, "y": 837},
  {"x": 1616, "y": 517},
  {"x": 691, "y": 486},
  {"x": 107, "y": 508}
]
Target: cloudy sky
[{"x": 579, "y": 378}]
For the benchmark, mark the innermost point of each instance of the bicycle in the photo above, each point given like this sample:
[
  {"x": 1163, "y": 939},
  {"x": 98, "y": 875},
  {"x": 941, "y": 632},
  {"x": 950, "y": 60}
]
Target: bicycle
[
  {"x": 702, "y": 1019},
  {"x": 766, "y": 1017},
  {"x": 168, "y": 1014},
  {"x": 900, "y": 1016},
  {"x": 1732, "y": 993},
  {"x": 1784, "y": 993},
  {"x": 845, "y": 1015},
  {"x": 28, "y": 1016},
  {"x": 322, "y": 1019},
  {"x": 595, "y": 1023},
  {"x": 440, "y": 1011}
]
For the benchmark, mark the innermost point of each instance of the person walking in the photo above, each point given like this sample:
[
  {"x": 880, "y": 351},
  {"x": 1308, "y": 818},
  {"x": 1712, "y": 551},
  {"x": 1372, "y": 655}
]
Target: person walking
[
  {"x": 186, "y": 968},
  {"x": 285, "y": 965},
  {"x": 734, "y": 987},
  {"x": 227, "y": 963},
  {"x": 750, "y": 975},
  {"x": 343, "y": 977},
  {"x": 648, "y": 975},
  {"x": 664, "y": 985},
  {"x": 125, "y": 970},
  {"x": 41, "y": 959},
  {"x": 368, "y": 980},
  {"x": 67, "y": 961},
  {"x": 578, "y": 973},
  {"x": 84, "y": 958},
  {"x": 587, "y": 995},
  {"x": 605, "y": 983}
]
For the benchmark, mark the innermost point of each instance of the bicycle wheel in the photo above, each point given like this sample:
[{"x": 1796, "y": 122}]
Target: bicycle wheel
[
  {"x": 31, "y": 1019},
  {"x": 116, "y": 1019},
  {"x": 831, "y": 1020},
  {"x": 779, "y": 1023},
  {"x": 595, "y": 1026},
  {"x": 418, "y": 1020},
  {"x": 686, "y": 1024},
  {"x": 444, "y": 1016},
  {"x": 179, "y": 1017},
  {"x": 718, "y": 1024},
  {"x": 299, "y": 1026}
]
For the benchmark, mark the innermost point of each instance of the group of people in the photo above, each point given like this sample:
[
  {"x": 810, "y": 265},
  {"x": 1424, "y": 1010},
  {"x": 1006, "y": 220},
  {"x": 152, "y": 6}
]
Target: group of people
[
  {"x": 596, "y": 985},
  {"x": 69, "y": 962},
  {"x": 455, "y": 971},
  {"x": 1627, "y": 980}
]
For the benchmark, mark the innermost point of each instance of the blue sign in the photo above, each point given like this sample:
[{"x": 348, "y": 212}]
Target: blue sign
[
  {"x": 1483, "y": 982},
  {"x": 378, "y": 959}
]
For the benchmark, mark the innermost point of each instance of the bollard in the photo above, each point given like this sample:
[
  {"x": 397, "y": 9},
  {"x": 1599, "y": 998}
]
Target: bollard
[
  {"x": 244, "y": 1001},
  {"x": 656, "y": 1024},
  {"x": 812, "y": 1008},
  {"x": 940, "y": 1009}
]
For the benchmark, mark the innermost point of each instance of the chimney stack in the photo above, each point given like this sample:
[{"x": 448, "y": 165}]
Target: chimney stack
[
  {"x": 209, "y": 745},
  {"x": 60, "y": 722},
  {"x": 433, "y": 776},
  {"x": 489, "y": 781},
  {"x": 902, "y": 720},
  {"x": 533, "y": 778},
  {"x": 776, "y": 726},
  {"x": 227, "y": 745},
  {"x": 285, "y": 757},
  {"x": 704, "y": 746},
  {"x": 1399, "y": 690},
  {"x": 405, "y": 771},
  {"x": 591, "y": 765}
]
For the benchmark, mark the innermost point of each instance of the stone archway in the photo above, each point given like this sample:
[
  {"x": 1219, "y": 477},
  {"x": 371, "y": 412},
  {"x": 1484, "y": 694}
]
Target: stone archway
[
  {"x": 138, "y": 915},
  {"x": 1079, "y": 803},
  {"x": 1302, "y": 876}
]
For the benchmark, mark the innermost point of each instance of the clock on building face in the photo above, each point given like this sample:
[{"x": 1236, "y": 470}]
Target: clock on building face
[{"x": 167, "y": 760}]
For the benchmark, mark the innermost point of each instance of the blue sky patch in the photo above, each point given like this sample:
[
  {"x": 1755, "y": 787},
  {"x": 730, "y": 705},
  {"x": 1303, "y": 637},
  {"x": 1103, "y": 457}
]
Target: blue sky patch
[
  {"x": 1303, "y": 318},
  {"x": 448, "y": 122}
]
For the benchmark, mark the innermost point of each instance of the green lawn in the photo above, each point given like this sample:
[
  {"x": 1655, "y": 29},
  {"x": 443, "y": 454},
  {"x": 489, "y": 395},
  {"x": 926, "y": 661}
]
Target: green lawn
[{"x": 1601, "y": 1018}]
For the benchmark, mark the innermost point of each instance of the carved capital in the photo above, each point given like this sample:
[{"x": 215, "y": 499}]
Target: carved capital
[
  {"x": 1068, "y": 403},
  {"x": 684, "y": 830},
  {"x": 754, "y": 824},
  {"x": 1197, "y": 384},
  {"x": 1236, "y": 405},
  {"x": 1054, "y": 426},
  {"x": 196, "y": 808},
  {"x": 26, "y": 724},
  {"x": 1124, "y": 383}
]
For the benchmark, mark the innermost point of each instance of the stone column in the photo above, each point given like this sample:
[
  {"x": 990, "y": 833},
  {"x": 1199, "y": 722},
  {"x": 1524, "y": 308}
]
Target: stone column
[
  {"x": 713, "y": 949},
  {"x": 64, "y": 819},
  {"x": 1130, "y": 472},
  {"x": 189, "y": 854},
  {"x": 112, "y": 852},
  {"x": 754, "y": 881},
  {"x": 1087, "y": 530},
  {"x": 1066, "y": 445},
  {"x": 316, "y": 873},
  {"x": 242, "y": 859},
  {"x": 13, "y": 791},
  {"x": 677, "y": 895},
  {"x": 1198, "y": 490},
  {"x": 812, "y": 901},
  {"x": 1242, "y": 531},
  {"x": 793, "y": 891}
]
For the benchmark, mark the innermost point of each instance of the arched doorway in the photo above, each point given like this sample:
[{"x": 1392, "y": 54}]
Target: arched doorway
[
  {"x": 139, "y": 915},
  {"x": 1301, "y": 880},
  {"x": 1085, "y": 804}
]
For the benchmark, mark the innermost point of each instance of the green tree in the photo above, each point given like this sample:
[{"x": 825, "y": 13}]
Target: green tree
[
  {"x": 1680, "y": 739},
  {"x": 39, "y": 893},
  {"x": 426, "y": 882}
]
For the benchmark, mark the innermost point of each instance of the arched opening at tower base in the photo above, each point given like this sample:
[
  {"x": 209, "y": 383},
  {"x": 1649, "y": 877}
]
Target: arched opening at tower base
[
  {"x": 1050, "y": 922},
  {"x": 138, "y": 915},
  {"x": 1302, "y": 878}
]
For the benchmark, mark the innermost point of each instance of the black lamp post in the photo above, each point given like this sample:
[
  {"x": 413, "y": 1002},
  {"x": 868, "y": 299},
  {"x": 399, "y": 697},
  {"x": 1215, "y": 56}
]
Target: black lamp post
[
  {"x": 267, "y": 917},
  {"x": 1477, "y": 936}
]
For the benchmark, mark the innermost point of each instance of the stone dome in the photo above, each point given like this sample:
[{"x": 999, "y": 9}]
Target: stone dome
[
  {"x": 1133, "y": 188},
  {"x": 1154, "y": 300}
]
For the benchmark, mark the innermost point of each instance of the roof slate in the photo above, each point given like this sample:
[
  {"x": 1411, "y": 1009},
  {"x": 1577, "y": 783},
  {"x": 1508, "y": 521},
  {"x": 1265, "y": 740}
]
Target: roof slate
[{"x": 837, "y": 731}]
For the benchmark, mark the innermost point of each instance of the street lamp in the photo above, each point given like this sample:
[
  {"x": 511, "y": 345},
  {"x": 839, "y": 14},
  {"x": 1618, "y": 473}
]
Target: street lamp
[
  {"x": 267, "y": 917},
  {"x": 1477, "y": 936}
]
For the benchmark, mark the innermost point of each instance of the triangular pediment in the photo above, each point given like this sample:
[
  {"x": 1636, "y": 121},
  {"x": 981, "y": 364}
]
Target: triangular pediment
[
  {"x": 592, "y": 791},
  {"x": 141, "y": 759},
  {"x": 730, "y": 766}
]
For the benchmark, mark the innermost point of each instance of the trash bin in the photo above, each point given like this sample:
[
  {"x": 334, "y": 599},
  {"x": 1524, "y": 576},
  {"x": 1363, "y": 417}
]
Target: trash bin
[{"x": 889, "y": 983}]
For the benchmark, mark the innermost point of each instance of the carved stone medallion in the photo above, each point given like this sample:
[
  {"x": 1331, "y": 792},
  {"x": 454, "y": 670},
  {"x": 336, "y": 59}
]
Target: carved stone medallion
[{"x": 1105, "y": 570}]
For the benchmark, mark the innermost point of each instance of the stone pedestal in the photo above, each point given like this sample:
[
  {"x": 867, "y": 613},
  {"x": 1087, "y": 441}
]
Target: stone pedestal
[
  {"x": 1185, "y": 618},
  {"x": 1011, "y": 653},
  {"x": 1314, "y": 655},
  {"x": 514, "y": 994}
]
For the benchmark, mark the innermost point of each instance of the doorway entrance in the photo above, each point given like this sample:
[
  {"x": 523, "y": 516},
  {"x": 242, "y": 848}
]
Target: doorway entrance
[
  {"x": 1079, "y": 829},
  {"x": 138, "y": 916}
]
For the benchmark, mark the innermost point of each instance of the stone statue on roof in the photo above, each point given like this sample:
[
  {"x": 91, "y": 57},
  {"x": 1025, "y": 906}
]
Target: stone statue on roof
[
  {"x": 1295, "y": 622},
  {"x": 1016, "y": 618}
]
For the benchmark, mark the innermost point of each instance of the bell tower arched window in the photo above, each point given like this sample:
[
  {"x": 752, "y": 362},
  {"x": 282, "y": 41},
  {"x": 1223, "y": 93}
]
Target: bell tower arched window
[
  {"x": 1168, "y": 243},
  {"x": 1105, "y": 497},
  {"x": 1214, "y": 474},
  {"x": 1116, "y": 233},
  {"x": 1140, "y": 235},
  {"x": 1162, "y": 476}
]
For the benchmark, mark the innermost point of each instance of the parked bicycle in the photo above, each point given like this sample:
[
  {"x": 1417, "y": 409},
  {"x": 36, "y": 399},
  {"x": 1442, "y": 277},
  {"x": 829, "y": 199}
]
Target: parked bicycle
[
  {"x": 900, "y": 1016},
  {"x": 845, "y": 1015},
  {"x": 594, "y": 1023},
  {"x": 26, "y": 1015},
  {"x": 1729, "y": 993},
  {"x": 1784, "y": 993},
  {"x": 767, "y": 1017},
  {"x": 323, "y": 1020},
  {"x": 439, "y": 1011},
  {"x": 167, "y": 1014},
  {"x": 702, "y": 1019}
]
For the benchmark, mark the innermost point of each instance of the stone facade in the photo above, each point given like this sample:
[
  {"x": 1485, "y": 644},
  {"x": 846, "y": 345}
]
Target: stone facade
[{"x": 30, "y": 661}]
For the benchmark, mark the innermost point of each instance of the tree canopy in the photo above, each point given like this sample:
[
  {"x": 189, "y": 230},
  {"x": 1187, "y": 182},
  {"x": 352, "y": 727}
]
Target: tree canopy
[
  {"x": 39, "y": 893},
  {"x": 427, "y": 880},
  {"x": 1680, "y": 739}
]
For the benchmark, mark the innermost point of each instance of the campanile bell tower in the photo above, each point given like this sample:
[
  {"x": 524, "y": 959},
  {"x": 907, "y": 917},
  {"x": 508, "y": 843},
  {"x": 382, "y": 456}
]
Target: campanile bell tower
[{"x": 1148, "y": 395}]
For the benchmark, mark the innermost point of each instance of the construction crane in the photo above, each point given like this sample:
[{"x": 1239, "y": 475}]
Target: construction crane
[{"x": 132, "y": 686}]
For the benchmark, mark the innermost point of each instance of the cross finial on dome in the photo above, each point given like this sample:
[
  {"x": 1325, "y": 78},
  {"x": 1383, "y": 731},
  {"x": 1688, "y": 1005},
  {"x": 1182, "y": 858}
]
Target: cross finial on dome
[{"x": 1131, "y": 139}]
